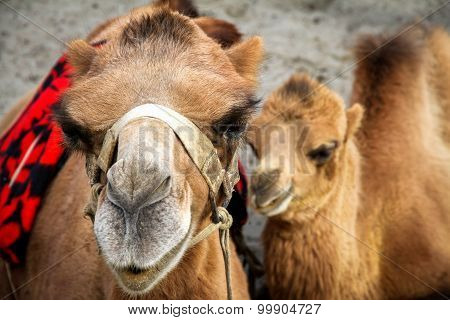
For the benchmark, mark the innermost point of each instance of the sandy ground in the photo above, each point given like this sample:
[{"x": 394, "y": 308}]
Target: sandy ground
[
  {"x": 299, "y": 34},
  {"x": 314, "y": 36}
]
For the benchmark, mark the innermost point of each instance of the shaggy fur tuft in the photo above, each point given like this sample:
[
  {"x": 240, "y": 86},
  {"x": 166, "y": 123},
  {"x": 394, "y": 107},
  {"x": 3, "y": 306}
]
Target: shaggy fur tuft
[
  {"x": 163, "y": 24},
  {"x": 300, "y": 87},
  {"x": 185, "y": 7}
]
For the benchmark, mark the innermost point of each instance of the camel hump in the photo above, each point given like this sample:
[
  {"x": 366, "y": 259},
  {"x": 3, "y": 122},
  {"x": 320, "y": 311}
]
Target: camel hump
[
  {"x": 225, "y": 33},
  {"x": 380, "y": 56},
  {"x": 385, "y": 61},
  {"x": 185, "y": 7}
]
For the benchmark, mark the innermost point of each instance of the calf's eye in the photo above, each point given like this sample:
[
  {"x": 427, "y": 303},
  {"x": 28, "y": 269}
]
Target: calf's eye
[{"x": 322, "y": 154}]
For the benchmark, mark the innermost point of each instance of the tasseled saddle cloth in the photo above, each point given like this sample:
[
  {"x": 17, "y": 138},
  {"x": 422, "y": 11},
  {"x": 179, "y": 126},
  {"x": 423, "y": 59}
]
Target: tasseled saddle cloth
[{"x": 32, "y": 153}]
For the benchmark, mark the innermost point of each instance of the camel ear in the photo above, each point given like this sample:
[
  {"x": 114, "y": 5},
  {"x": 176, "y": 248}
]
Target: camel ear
[
  {"x": 354, "y": 117},
  {"x": 225, "y": 33},
  {"x": 80, "y": 56},
  {"x": 247, "y": 57}
]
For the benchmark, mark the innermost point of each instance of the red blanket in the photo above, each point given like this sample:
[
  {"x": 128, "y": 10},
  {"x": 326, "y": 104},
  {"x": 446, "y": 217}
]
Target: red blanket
[{"x": 32, "y": 153}]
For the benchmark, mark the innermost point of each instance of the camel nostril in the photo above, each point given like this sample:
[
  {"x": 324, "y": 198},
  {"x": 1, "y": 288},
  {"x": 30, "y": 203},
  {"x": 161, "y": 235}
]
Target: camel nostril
[
  {"x": 163, "y": 190},
  {"x": 264, "y": 180},
  {"x": 131, "y": 190}
]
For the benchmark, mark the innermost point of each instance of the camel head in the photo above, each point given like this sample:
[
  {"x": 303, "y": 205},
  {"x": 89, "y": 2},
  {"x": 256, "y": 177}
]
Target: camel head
[
  {"x": 155, "y": 198},
  {"x": 299, "y": 137}
]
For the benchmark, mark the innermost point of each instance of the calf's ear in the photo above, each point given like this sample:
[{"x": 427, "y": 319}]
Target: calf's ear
[{"x": 354, "y": 118}]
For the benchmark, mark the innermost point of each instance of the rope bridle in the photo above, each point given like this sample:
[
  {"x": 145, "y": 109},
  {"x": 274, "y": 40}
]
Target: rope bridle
[{"x": 203, "y": 154}]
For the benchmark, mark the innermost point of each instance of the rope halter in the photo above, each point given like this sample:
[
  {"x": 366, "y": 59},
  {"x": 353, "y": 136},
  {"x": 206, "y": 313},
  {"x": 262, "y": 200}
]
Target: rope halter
[{"x": 202, "y": 153}]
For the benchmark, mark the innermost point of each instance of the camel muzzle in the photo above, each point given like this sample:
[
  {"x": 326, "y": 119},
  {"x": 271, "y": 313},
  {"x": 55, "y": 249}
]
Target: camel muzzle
[
  {"x": 142, "y": 174},
  {"x": 199, "y": 148}
]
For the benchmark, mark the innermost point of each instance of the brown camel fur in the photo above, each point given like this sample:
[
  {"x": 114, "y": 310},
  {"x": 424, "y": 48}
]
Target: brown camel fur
[
  {"x": 151, "y": 55},
  {"x": 370, "y": 213}
]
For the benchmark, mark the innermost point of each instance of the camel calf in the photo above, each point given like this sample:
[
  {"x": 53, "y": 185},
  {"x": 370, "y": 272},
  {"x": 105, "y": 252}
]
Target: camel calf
[{"x": 361, "y": 211}]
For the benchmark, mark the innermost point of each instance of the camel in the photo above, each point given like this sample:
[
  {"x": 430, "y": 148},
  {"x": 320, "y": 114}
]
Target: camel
[
  {"x": 155, "y": 55},
  {"x": 358, "y": 203}
]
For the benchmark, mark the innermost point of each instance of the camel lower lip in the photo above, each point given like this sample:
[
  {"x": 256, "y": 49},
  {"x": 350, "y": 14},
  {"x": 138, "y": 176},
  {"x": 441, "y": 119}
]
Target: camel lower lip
[
  {"x": 278, "y": 205},
  {"x": 136, "y": 280}
]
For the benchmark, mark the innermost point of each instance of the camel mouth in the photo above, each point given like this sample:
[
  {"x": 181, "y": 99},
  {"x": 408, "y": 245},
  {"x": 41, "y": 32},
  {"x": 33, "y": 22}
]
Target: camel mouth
[
  {"x": 141, "y": 249},
  {"x": 276, "y": 204},
  {"x": 136, "y": 280},
  {"x": 134, "y": 270}
]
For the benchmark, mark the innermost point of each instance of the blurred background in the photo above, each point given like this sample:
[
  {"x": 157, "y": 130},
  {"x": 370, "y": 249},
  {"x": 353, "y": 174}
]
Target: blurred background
[{"x": 300, "y": 35}]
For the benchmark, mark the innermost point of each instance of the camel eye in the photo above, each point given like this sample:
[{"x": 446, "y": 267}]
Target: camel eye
[
  {"x": 233, "y": 124},
  {"x": 323, "y": 153},
  {"x": 234, "y": 131},
  {"x": 231, "y": 131},
  {"x": 76, "y": 136},
  {"x": 72, "y": 136}
]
